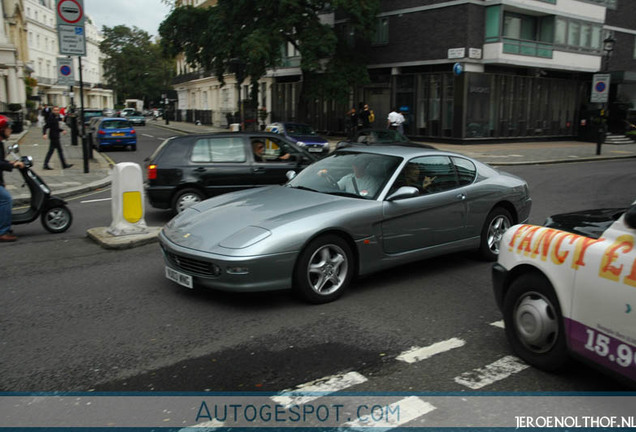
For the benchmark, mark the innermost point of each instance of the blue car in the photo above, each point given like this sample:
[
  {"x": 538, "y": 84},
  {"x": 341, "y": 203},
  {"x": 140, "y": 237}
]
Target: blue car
[
  {"x": 303, "y": 135},
  {"x": 115, "y": 132}
]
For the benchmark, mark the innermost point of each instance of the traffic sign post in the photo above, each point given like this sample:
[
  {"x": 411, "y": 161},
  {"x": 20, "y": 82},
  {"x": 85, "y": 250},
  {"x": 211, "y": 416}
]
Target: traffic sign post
[
  {"x": 600, "y": 88},
  {"x": 65, "y": 72},
  {"x": 72, "y": 40},
  {"x": 70, "y": 12}
]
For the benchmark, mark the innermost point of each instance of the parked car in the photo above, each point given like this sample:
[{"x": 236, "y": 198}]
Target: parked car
[
  {"x": 357, "y": 211},
  {"x": 367, "y": 137},
  {"x": 126, "y": 112},
  {"x": 302, "y": 134},
  {"x": 91, "y": 129},
  {"x": 569, "y": 289},
  {"x": 90, "y": 113},
  {"x": 187, "y": 169},
  {"x": 137, "y": 119},
  {"x": 113, "y": 132}
]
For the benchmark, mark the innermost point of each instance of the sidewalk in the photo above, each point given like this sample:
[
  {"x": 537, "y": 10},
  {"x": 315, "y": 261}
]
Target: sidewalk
[{"x": 73, "y": 180}]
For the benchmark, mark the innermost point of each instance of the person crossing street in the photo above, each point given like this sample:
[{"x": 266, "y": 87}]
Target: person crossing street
[{"x": 52, "y": 124}]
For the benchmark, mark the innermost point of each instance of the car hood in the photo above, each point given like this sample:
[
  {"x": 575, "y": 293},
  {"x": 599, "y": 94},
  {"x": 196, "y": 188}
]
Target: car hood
[
  {"x": 309, "y": 139},
  {"x": 589, "y": 223},
  {"x": 241, "y": 219}
]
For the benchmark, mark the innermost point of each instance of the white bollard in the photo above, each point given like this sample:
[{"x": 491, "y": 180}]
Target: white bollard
[
  {"x": 128, "y": 200},
  {"x": 235, "y": 127}
]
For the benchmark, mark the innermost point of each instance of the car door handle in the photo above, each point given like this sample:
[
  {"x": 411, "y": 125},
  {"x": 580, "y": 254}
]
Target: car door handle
[
  {"x": 200, "y": 169},
  {"x": 258, "y": 170},
  {"x": 461, "y": 196}
]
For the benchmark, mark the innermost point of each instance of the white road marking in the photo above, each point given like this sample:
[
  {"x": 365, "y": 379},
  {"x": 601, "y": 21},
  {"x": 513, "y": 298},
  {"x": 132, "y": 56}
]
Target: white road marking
[
  {"x": 416, "y": 354},
  {"x": 409, "y": 409},
  {"x": 501, "y": 369},
  {"x": 95, "y": 200},
  {"x": 149, "y": 136},
  {"x": 324, "y": 386},
  {"x": 499, "y": 324}
]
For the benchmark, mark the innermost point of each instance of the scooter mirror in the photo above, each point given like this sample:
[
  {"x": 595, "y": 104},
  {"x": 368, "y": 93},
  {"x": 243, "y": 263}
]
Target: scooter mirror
[{"x": 13, "y": 148}]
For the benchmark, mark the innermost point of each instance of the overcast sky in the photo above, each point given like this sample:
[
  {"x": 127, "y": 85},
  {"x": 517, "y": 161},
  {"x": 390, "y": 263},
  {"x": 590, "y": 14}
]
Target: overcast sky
[{"x": 145, "y": 14}]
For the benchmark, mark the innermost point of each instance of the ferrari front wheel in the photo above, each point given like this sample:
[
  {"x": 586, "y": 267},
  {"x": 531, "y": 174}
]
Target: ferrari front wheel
[{"x": 324, "y": 269}]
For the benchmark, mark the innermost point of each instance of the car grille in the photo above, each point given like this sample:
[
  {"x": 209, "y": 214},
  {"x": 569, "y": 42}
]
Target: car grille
[{"x": 192, "y": 265}]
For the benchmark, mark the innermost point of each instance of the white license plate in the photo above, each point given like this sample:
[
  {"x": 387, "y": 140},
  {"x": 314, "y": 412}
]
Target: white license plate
[
  {"x": 314, "y": 149},
  {"x": 178, "y": 277}
]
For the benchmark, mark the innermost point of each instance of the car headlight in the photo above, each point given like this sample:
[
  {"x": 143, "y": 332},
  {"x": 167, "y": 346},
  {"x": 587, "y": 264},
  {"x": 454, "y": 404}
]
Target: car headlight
[{"x": 301, "y": 143}]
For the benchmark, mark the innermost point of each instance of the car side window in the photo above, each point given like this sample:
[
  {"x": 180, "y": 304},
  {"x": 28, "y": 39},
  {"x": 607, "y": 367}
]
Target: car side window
[
  {"x": 276, "y": 150},
  {"x": 429, "y": 174},
  {"x": 222, "y": 149},
  {"x": 466, "y": 170}
]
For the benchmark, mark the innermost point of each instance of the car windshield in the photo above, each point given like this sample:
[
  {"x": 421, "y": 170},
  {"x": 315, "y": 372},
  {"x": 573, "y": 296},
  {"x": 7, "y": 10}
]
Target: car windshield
[
  {"x": 299, "y": 129},
  {"x": 115, "y": 124},
  {"x": 89, "y": 114},
  {"x": 358, "y": 175}
]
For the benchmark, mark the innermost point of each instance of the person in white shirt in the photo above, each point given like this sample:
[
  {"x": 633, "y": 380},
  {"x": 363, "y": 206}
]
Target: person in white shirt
[
  {"x": 394, "y": 119},
  {"x": 360, "y": 182}
]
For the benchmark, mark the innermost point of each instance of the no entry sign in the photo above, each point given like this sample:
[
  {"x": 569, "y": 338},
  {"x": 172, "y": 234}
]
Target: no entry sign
[{"x": 70, "y": 12}]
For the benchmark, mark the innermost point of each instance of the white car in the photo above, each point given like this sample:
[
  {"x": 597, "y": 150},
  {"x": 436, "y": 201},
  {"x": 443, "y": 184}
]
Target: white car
[{"x": 569, "y": 288}]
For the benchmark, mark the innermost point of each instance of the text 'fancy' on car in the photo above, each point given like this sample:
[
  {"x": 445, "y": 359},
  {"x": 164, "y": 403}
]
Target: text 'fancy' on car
[
  {"x": 303, "y": 135},
  {"x": 568, "y": 289},
  {"x": 354, "y": 212},
  {"x": 113, "y": 132},
  {"x": 187, "y": 169}
]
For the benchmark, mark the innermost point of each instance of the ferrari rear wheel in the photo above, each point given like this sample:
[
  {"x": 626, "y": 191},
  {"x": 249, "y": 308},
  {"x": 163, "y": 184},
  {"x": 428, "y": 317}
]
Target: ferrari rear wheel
[{"x": 324, "y": 269}]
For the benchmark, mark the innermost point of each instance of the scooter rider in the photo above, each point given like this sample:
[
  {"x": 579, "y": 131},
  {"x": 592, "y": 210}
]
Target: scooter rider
[{"x": 5, "y": 198}]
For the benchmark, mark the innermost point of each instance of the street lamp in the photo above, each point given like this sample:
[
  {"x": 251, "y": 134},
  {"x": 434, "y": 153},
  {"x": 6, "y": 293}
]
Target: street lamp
[{"x": 608, "y": 47}]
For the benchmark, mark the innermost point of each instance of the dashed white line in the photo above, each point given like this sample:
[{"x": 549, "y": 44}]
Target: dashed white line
[
  {"x": 501, "y": 369},
  {"x": 409, "y": 408},
  {"x": 499, "y": 324},
  {"x": 149, "y": 136},
  {"x": 325, "y": 386},
  {"x": 416, "y": 354},
  {"x": 95, "y": 200}
]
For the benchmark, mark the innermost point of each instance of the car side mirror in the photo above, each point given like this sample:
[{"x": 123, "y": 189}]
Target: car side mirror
[
  {"x": 630, "y": 217},
  {"x": 290, "y": 174},
  {"x": 404, "y": 192}
]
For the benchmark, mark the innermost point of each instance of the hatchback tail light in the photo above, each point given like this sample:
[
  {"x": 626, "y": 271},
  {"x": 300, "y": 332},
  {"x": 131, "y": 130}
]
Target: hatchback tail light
[
  {"x": 132, "y": 131},
  {"x": 101, "y": 132},
  {"x": 152, "y": 172}
]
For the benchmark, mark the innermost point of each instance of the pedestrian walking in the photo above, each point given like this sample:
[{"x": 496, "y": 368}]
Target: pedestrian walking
[
  {"x": 393, "y": 119},
  {"x": 351, "y": 121},
  {"x": 5, "y": 198},
  {"x": 52, "y": 125},
  {"x": 401, "y": 121},
  {"x": 365, "y": 117}
]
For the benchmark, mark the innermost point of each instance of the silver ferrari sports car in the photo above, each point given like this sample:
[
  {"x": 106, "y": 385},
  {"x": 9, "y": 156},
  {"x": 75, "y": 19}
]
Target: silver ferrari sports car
[{"x": 357, "y": 211}]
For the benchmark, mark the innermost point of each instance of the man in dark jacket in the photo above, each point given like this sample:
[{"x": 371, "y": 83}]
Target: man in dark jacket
[
  {"x": 52, "y": 124},
  {"x": 5, "y": 198}
]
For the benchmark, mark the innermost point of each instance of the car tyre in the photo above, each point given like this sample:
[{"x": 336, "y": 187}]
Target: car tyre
[
  {"x": 534, "y": 324},
  {"x": 497, "y": 222},
  {"x": 186, "y": 198},
  {"x": 56, "y": 219},
  {"x": 324, "y": 269}
]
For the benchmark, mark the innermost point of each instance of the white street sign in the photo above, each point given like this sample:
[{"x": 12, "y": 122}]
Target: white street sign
[
  {"x": 65, "y": 72},
  {"x": 600, "y": 88},
  {"x": 72, "y": 40},
  {"x": 70, "y": 12}
]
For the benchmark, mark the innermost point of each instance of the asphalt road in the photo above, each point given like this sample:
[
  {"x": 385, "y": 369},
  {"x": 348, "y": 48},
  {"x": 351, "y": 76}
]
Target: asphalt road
[{"x": 76, "y": 317}]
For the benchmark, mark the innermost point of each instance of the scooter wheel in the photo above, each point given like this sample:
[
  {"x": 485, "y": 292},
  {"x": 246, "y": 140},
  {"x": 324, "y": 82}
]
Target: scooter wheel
[{"x": 57, "y": 219}]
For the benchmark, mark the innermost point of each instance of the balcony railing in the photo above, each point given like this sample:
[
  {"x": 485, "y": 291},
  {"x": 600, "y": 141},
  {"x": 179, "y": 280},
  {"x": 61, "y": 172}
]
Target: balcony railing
[{"x": 528, "y": 48}]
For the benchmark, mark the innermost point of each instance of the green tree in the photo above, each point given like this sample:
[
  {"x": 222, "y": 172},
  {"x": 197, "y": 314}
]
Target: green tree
[
  {"x": 246, "y": 38},
  {"x": 135, "y": 67}
]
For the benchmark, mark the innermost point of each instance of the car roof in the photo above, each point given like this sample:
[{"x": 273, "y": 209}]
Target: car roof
[{"x": 405, "y": 151}]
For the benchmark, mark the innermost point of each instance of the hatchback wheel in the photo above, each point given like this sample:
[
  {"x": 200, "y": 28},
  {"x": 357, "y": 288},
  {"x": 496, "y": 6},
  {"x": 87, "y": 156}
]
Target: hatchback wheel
[
  {"x": 324, "y": 269},
  {"x": 186, "y": 198}
]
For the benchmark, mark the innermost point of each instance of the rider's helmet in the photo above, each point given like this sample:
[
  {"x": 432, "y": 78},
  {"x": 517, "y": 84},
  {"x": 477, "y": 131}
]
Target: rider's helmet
[{"x": 5, "y": 122}]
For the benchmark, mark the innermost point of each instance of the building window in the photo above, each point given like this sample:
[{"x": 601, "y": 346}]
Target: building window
[
  {"x": 577, "y": 35},
  {"x": 382, "y": 31},
  {"x": 610, "y": 4}
]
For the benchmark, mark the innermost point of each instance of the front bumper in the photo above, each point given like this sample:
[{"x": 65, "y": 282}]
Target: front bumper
[
  {"x": 499, "y": 277},
  {"x": 265, "y": 272}
]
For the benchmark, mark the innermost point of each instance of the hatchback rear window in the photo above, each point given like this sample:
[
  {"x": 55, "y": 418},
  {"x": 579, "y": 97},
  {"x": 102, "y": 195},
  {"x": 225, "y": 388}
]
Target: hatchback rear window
[
  {"x": 222, "y": 149},
  {"x": 116, "y": 124}
]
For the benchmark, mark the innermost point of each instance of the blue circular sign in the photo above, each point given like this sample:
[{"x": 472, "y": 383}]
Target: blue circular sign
[
  {"x": 458, "y": 68},
  {"x": 600, "y": 87},
  {"x": 65, "y": 70}
]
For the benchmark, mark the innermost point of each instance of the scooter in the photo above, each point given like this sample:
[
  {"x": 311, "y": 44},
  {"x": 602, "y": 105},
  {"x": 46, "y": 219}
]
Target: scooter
[{"x": 52, "y": 211}]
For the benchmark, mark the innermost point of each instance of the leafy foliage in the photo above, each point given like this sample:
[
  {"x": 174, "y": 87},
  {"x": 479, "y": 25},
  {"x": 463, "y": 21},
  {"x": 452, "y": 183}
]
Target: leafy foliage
[
  {"x": 135, "y": 66},
  {"x": 246, "y": 38}
]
